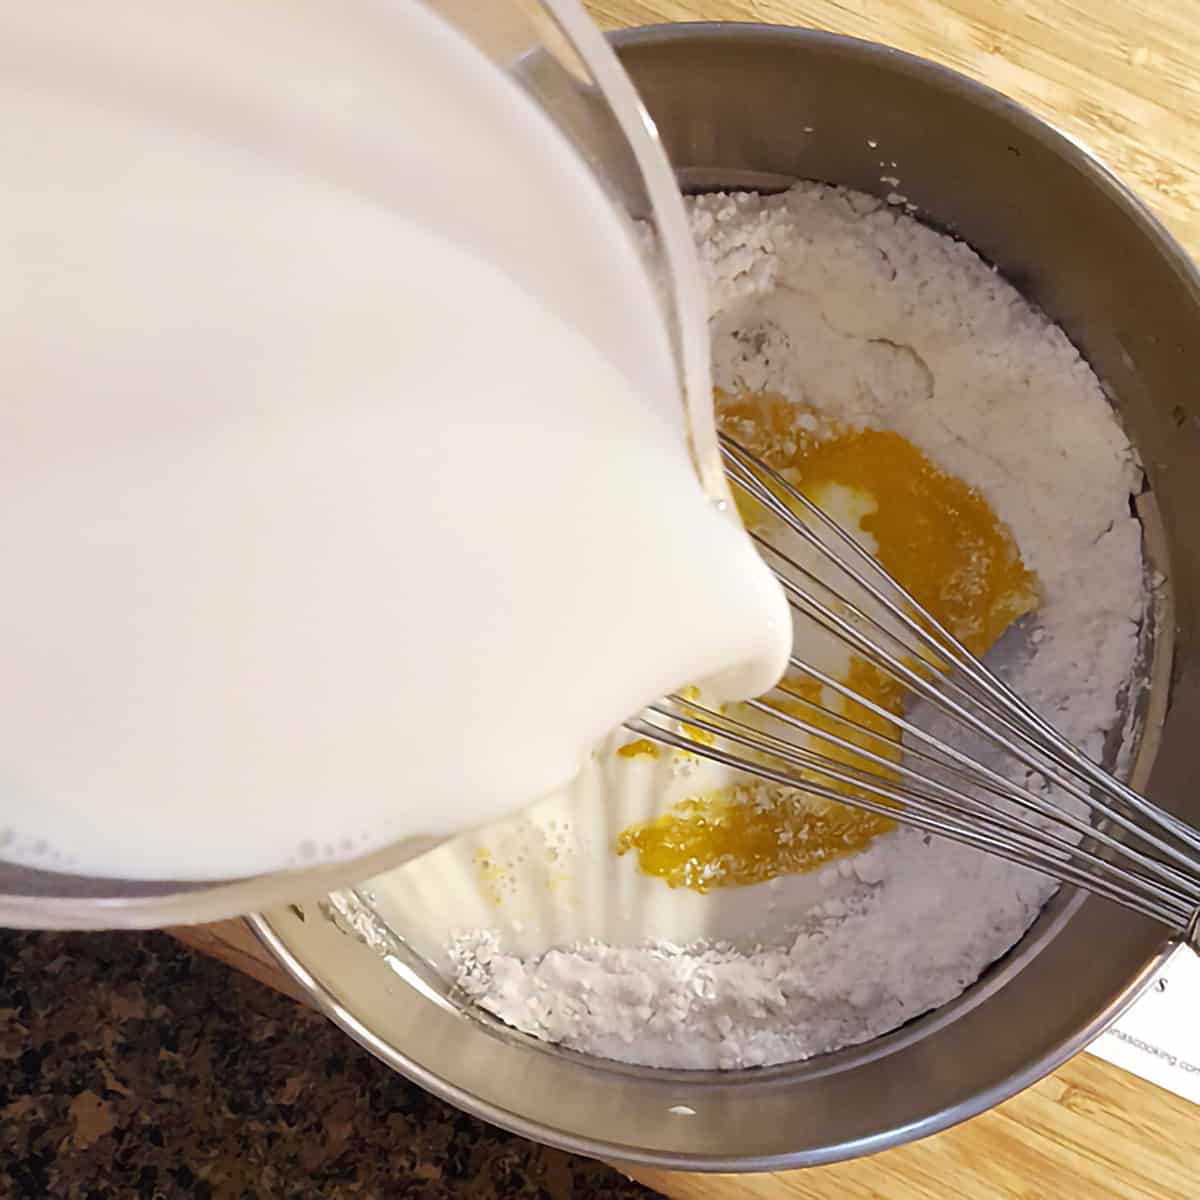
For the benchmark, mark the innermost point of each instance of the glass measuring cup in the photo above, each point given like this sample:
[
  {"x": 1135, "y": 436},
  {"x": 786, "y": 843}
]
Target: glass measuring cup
[{"x": 561, "y": 64}]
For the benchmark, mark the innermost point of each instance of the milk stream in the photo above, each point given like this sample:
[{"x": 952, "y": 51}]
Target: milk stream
[{"x": 343, "y": 495}]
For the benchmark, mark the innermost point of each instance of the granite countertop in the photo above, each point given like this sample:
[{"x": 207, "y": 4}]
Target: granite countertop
[{"x": 138, "y": 1068}]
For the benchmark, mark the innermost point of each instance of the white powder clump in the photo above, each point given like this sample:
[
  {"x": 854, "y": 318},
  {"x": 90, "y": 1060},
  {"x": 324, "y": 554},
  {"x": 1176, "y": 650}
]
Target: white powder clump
[{"x": 840, "y": 302}]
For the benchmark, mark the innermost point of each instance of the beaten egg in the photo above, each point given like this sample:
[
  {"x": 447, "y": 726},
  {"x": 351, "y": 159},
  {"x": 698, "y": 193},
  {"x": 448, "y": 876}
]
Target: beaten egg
[{"x": 939, "y": 538}]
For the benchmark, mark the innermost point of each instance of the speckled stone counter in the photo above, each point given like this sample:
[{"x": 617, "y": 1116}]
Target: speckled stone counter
[{"x": 134, "y": 1067}]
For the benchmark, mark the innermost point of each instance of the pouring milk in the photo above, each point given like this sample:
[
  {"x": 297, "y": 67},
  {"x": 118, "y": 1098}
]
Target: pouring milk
[{"x": 344, "y": 497}]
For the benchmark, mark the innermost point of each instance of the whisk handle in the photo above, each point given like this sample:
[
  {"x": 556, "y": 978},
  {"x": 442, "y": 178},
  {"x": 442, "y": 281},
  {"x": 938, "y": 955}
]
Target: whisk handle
[{"x": 1191, "y": 934}]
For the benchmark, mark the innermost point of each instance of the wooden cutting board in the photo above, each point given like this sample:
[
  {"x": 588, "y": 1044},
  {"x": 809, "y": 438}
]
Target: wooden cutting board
[{"x": 1124, "y": 77}]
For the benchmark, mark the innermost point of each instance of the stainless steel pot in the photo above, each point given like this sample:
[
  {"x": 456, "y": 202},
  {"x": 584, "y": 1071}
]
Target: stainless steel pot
[{"x": 734, "y": 105}]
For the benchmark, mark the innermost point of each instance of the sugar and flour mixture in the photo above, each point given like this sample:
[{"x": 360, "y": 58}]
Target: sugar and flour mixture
[{"x": 915, "y": 390}]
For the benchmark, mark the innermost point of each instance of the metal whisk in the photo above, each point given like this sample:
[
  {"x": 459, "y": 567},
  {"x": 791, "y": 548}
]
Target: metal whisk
[{"x": 1066, "y": 816}]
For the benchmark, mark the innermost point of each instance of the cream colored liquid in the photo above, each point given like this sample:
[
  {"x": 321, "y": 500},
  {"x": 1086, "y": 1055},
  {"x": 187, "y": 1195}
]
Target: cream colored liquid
[{"x": 336, "y": 510}]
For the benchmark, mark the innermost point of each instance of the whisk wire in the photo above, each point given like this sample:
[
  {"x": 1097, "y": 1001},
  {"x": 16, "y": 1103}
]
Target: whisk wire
[
  {"x": 982, "y": 837},
  {"x": 753, "y": 476},
  {"x": 979, "y": 775},
  {"x": 1116, "y": 844},
  {"x": 1007, "y": 716},
  {"x": 927, "y": 790}
]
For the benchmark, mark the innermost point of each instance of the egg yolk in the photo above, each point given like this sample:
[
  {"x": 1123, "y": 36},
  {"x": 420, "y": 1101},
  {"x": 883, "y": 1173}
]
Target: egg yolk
[{"x": 938, "y": 537}]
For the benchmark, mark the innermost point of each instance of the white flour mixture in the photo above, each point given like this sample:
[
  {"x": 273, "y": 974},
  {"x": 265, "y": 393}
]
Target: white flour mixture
[{"x": 873, "y": 320}]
